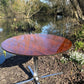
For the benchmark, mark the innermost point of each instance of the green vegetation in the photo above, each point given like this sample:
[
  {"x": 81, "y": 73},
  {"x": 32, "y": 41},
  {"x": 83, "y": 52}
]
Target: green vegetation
[
  {"x": 19, "y": 8},
  {"x": 28, "y": 8},
  {"x": 79, "y": 35},
  {"x": 74, "y": 56},
  {"x": 64, "y": 60},
  {"x": 25, "y": 26},
  {"x": 77, "y": 57},
  {"x": 79, "y": 45}
]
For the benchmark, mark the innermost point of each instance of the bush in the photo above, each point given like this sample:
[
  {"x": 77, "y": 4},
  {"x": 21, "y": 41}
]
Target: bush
[
  {"x": 76, "y": 56},
  {"x": 79, "y": 34}
]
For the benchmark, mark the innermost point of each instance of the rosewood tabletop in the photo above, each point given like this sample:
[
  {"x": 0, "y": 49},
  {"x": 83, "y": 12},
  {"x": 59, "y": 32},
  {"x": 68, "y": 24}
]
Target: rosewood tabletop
[{"x": 36, "y": 44}]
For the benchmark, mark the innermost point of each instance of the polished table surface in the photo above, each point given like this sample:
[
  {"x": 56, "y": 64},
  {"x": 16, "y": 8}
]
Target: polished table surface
[{"x": 36, "y": 44}]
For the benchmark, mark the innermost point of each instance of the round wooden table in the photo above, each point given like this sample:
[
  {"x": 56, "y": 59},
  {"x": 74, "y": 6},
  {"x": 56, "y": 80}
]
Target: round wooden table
[{"x": 36, "y": 45}]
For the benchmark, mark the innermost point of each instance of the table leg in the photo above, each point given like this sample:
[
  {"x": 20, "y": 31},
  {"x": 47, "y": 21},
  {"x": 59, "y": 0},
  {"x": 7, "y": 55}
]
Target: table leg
[
  {"x": 51, "y": 75},
  {"x": 36, "y": 78},
  {"x": 35, "y": 73},
  {"x": 26, "y": 81}
]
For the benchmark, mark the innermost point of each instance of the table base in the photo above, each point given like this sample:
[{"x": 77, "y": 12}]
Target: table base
[{"x": 35, "y": 76}]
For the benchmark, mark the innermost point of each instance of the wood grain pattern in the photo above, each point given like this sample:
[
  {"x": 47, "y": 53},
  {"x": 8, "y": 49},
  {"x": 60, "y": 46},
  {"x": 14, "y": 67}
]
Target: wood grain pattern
[{"x": 36, "y": 44}]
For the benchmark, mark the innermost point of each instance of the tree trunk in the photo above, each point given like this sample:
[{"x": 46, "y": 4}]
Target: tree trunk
[
  {"x": 81, "y": 4},
  {"x": 77, "y": 10}
]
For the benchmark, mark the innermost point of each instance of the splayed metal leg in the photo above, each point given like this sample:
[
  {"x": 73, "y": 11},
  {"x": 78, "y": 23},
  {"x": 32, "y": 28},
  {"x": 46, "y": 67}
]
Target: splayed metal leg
[{"x": 35, "y": 73}]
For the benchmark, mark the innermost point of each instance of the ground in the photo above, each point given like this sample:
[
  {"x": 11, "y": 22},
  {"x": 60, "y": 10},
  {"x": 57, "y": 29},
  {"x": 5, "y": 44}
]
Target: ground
[{"x": 15, "y": 69}]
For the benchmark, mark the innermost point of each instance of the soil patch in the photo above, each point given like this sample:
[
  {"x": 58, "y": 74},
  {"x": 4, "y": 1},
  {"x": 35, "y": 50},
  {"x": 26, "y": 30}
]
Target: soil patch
[{"x": 15, "y": 69}]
